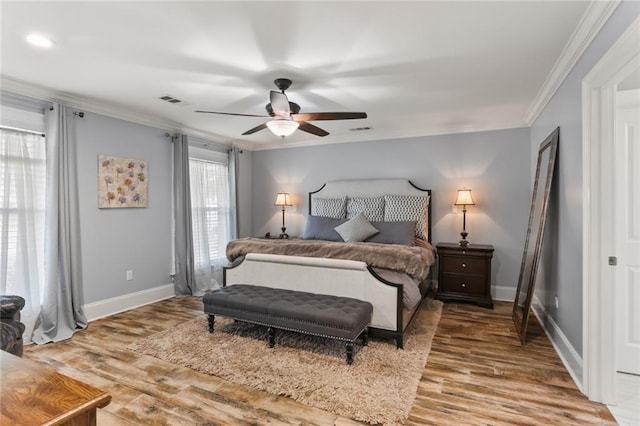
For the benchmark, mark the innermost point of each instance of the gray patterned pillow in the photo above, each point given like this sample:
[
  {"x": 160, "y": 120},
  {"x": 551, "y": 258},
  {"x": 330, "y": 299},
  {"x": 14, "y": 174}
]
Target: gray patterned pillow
[
  {"x": 399, "y": 208},
  {"x": 329, "y": 207},
  {"x": 356, "y": 229},
  {"x": 373, "y": 208}
]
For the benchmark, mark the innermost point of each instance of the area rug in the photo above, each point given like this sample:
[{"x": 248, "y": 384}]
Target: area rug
[{"x": 378, "y": 388}]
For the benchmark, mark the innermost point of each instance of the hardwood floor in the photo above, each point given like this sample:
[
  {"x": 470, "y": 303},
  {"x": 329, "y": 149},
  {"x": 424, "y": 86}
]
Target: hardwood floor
[{"x": 477, "y": 373}]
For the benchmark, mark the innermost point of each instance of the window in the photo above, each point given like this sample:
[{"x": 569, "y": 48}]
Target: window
[
  {"x": 210, "y": 209},
  {"x": 22, "y": 213}
]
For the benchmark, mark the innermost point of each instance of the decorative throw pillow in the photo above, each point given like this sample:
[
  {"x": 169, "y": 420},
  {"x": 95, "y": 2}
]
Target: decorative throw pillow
[
  {"x": 322, "y": 228},
  {"x": 398, "y": 208},
  {"x": 329, "y": 207},
  {"x": 394, "y": 233},
  {"x": 356, "y": 229},
  {"x": 373, "y": 208}
]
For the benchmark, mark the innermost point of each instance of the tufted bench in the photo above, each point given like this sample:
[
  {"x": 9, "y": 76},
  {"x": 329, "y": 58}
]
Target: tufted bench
[{"x": 322, "y": 315}]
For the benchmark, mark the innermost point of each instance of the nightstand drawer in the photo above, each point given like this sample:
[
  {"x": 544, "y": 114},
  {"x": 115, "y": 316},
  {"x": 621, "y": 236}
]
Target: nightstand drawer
[
  {"x": 464, "y": 265},
  {"x": 463, "y": 284}
]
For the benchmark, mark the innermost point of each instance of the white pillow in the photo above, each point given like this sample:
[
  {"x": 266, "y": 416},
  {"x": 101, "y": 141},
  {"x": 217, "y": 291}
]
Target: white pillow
[
  {"x": 400, "y": 208},
  {"x": 329, "y": 207},
  {"x": 373, "y": 208},
  {"x": 356, "y": 229}
]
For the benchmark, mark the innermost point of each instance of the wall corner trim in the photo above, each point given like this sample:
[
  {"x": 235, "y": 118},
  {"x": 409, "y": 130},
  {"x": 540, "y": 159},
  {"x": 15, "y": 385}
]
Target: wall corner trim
[
  {"x": 567, "y": 353},
  {"x": 115, "y": 305},
  {"x": 103, "y": 108},
  {"x": 592, "y": 21}
]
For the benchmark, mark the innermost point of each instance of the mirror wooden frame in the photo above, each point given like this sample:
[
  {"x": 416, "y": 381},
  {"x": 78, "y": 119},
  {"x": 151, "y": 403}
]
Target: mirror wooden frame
[{"x": 535, "y": 232}]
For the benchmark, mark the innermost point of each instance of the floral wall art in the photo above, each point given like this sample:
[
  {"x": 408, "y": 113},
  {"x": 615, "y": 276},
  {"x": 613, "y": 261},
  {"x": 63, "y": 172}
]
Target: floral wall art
[{"x": 122, "y": 182}]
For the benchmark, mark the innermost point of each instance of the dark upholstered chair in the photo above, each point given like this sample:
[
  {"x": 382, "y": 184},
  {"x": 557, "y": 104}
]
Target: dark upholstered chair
[{"x": 11, "y": 328}]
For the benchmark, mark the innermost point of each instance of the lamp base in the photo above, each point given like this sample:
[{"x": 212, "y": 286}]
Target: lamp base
[
  {"x": 283, "y": 235},
  {"x": 463, "y": 242}
]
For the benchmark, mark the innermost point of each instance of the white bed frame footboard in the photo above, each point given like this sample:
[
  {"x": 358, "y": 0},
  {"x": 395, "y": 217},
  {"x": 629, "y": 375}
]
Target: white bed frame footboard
[{"x": 337, "y": 277}]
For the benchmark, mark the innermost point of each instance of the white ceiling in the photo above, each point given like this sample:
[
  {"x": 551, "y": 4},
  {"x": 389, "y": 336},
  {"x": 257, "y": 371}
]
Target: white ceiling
[{"x": 417, "y": 68}]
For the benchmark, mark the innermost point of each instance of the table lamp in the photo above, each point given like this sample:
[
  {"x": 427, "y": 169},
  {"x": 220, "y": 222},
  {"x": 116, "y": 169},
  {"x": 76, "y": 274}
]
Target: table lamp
[
  {"x": 464, "y": 199},
  {"x": 283, "y": 199}
]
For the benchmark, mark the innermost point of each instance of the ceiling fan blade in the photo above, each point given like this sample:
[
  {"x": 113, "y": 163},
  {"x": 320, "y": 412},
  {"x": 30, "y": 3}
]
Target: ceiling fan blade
[
  {"x": 233, "y": 113},
  {"x": 280, "y": 104},
  {"x": 312, "y": 116},
  {"x": 310, "y": 128},
  {"x": 255, "y": 129}
]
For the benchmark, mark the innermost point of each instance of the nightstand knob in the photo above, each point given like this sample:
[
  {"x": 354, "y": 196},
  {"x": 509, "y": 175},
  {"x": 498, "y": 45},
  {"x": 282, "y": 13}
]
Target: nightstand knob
[
  {"x": 464, "y": 265},
  {"x": 464, "y": 285}
]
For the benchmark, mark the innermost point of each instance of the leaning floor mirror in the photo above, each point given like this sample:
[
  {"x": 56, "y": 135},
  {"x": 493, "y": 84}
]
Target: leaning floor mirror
[{"x": 535, "y": 232}]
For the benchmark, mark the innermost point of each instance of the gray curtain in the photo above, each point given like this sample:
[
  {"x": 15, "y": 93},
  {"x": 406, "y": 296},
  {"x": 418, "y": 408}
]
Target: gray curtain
[
  {"x": 184, "y": 283},
  {"x": 234, "y": 160},
  {"x": 61, "y": 314}
]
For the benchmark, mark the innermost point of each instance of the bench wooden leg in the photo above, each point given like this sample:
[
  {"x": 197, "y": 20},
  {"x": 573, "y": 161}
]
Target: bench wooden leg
[
  {"x": 272, "y": 336},
  {"x": 365, "y": 337},
  {"x": 211, "y": 319},
  {"x": 349, "y": 346}
]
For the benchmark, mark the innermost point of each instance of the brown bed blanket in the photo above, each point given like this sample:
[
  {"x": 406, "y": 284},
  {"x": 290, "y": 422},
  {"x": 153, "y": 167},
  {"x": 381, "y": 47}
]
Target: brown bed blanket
[{"x": 413, "y": 260}]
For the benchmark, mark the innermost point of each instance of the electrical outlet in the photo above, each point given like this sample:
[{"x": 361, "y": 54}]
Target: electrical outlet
[
  {"x": 129, "y": 275},
  {"x": 557, "y": 302}
]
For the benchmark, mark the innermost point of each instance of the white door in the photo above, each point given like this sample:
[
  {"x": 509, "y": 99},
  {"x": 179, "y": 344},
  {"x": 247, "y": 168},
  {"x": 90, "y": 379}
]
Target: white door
[{"x": 627, "y": 231}]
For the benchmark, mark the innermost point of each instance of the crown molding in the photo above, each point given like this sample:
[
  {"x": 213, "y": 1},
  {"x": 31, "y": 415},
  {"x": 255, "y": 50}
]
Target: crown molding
[
  {"x": 103, "y": 108},
  {"x": 435, "y": 131},
  {"x": 118, "y": 112},
  {"x": 592, "y": 21}
]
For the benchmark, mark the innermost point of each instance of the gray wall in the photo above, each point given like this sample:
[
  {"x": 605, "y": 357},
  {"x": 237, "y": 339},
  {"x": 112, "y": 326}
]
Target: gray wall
[
  {"x": 494, "y": 164},
  {"x": 116, "y": 240},
  {"x": 562, "y": 264}
]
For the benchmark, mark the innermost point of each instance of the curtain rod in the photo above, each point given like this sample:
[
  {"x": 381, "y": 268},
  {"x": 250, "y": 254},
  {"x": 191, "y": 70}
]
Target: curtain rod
[
  {"x": 203, "y": 143},
  {"x": 16, "y": 129}
]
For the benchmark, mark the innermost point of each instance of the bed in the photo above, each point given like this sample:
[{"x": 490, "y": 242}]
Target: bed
[{"x": 391, "y": 269}]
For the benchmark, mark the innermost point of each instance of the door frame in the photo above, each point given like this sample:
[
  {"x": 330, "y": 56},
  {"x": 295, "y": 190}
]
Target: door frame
[{"x": 598, "y": 138}]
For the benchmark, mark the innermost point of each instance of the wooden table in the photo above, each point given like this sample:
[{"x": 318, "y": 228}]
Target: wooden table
[{"x": 32, "y": 394}]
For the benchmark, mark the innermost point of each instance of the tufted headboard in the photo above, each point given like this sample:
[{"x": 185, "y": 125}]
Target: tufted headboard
[{"x": 367, "y": 188}]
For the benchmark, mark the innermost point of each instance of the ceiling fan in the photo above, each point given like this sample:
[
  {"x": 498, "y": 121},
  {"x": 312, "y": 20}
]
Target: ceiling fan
[{"x": 287, "y": 117}]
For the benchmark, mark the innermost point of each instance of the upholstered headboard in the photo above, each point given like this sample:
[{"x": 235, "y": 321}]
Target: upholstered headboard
[{"x": 367, "y": 188}]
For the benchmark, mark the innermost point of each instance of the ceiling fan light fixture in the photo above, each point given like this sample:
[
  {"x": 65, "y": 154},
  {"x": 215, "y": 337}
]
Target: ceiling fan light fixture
[{"x": 282, "y": 128}]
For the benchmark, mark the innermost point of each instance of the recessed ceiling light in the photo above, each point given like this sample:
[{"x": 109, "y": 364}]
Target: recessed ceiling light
[{"x": 40, "y": 40}]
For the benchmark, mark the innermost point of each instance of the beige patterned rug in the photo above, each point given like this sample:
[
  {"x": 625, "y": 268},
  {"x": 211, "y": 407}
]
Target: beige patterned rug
[{"x": 378, "y": 388}]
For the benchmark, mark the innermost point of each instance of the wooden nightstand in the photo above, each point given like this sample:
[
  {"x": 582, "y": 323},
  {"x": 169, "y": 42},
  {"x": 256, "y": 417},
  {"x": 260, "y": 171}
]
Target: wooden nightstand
[{"x": 464, "y": 273}]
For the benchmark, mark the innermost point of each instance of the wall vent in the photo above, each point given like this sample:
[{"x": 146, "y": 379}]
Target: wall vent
[{"x": 170, "y": 99}]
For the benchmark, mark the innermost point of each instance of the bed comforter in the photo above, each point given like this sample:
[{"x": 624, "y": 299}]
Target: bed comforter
[{"x": 412, "y": 260}]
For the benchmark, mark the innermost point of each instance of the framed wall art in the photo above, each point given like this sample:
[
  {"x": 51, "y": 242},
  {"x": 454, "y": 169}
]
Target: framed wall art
[{"x": 122, "y": 182}]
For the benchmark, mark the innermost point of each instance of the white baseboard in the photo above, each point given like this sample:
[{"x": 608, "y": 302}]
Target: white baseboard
[
  {"x": 114, "y": 305},
  {"x": 568, "y": 355},
  {"x": 502, "y": 293}
]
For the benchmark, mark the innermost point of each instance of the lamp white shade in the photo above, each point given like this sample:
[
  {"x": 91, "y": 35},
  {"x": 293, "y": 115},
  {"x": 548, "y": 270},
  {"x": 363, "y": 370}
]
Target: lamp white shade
[
  {"x": 282, "y": 128},
  {"x": 464, "y": 198},
  {"x": 283, "y": 199}
]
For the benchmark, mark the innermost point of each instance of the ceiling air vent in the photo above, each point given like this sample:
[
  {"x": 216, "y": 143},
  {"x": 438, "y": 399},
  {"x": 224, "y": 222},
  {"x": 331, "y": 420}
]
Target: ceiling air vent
[
  {"x": 170, "y": 99},
  {"x": 361, "y": 129}
]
